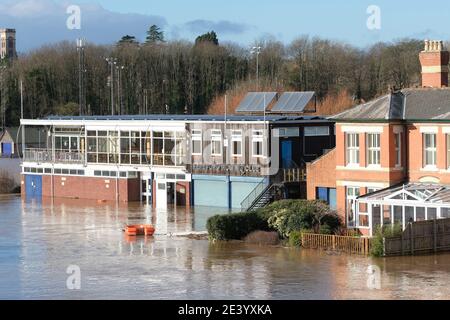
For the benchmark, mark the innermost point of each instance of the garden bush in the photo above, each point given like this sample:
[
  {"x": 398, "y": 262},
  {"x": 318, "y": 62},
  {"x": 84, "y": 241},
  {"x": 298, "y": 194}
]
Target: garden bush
[
  {"x": 235, "y": 226},
  {"x": 287, "y": 216},
  {"x": 295, "y": 239},
  {"x": 388, "y": 231}
]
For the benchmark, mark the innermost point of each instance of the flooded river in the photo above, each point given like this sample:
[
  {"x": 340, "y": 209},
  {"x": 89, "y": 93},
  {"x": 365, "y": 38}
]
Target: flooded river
[{"x": 39, "y": 241}]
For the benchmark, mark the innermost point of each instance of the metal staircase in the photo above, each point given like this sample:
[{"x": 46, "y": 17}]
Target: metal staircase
[{"x": 265, "y": 197}]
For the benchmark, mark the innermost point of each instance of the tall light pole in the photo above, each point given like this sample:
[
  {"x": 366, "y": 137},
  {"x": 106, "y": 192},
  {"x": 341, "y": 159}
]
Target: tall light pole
[
  {"x": 112, "y": 62},
  {"x": 119, "y": 87},
  {"x": 2, "y": 97},
  {"x": 256, "y": 51},
  {"x": 81, "y": 72}
]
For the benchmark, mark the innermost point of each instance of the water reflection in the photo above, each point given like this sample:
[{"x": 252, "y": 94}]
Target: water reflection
[{"x": 38, "y": 241}]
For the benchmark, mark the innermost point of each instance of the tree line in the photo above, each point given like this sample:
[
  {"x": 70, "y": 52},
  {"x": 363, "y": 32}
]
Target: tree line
[{"x": 177, "y": 77}]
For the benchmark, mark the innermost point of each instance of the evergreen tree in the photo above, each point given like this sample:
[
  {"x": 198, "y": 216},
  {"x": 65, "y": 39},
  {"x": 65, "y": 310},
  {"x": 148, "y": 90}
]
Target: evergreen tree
[
  {"x": 154, "y": 35},
  {"x": 210, "y": 37},
  {"x": 128, "y": 40}
]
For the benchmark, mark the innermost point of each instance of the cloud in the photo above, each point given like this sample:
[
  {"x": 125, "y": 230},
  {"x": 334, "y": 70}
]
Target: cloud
[
  {"x": 39, "y": 22},
  {"x": 223, "y": 27}
]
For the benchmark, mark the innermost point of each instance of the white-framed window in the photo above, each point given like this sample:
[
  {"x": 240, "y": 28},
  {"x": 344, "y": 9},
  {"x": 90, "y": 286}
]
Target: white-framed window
[
  {"x": 373, "y": 149},
  {"x": 352, "y": 148},
  {"x": 236, "y": 142},
  {"x": 317, "y": 131},
  {"x": 197, "y": 142},
  {"x": 351, "y": 195},
  {"x": 257, "y": 143},
  {"x": 216, "y": 142},
  {"x": 448, "y": 150},
  {"x": 429, "y": 149},
  {"x": 398, "y": 149}
]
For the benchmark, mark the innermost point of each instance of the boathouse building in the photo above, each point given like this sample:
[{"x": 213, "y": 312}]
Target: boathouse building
[{"x": 239, "y": 161}]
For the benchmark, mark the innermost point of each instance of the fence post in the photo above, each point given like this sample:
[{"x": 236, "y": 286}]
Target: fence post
[
  {"x": 334, "y": 242},
  {"x": 384, "y": 246},
  {"x": 302, "y": 239},
  {"x": 411, "y": 238},
  {"x": 434, "y": 235}
]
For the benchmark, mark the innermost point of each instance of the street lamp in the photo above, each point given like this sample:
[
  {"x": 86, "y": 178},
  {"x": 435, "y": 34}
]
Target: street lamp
[
  {"x": 81, "y": 71},
  {"x": 3, "y": 104},
  {"x": 119, "y": 86},
  {"x": 112, "y": 62},
  {"x": 256, "y": 51}
]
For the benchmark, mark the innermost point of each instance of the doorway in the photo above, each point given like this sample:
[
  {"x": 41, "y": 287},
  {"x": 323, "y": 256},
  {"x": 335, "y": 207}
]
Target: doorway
[{"x": 286, "y": 153}]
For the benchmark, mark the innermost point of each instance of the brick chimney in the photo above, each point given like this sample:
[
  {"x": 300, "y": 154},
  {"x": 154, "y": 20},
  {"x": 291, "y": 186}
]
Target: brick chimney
[{"x": 434, "y": 60}]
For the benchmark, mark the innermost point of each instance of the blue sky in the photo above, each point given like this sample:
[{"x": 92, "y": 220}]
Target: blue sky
[{"x": 241, "y": 21}]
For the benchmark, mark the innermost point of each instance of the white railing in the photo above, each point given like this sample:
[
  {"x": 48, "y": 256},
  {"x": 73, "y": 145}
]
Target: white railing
[{"x": 60, "y": 156}]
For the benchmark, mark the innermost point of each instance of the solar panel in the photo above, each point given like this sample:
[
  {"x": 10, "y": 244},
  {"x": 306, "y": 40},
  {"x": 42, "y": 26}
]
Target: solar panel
[
  {"x": 293, "y": 101},
  {"x": 254, "y": 101}
]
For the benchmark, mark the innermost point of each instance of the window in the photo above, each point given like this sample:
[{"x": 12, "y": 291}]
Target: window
[
  {"x": 448, "y": 150},
  {"x": 429, "y": 149},
  {"x": 216, "y": 142},
  {"x": 352, "y": 194},
  {"x": 328, "y": 195},
  {"x": 287, "y": 132},
  {"x": 236, "y": 140},
  {"x": 373, "y": 149},
  {"x": 257, "y": 143},
  {"x": 352, "y": 148},
  {"x": 317, "y": 131},
  {"x": 196, "y": 142},
  {"x": 398, "y": 149}
]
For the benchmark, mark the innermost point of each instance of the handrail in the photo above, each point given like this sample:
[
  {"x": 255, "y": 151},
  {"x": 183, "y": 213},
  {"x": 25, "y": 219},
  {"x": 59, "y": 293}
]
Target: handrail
[{"x": 253, "y": 195}]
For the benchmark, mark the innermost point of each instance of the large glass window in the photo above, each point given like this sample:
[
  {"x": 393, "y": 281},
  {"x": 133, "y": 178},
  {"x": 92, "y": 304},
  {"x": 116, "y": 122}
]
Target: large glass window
[
  {"x": 352, "y": 148},
  {"x": 429, "y": 149},
  {"x": 373, "y": 149}
]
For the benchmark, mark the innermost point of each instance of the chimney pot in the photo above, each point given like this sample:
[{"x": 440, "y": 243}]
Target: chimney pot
[{"x": 434, "y": 60}]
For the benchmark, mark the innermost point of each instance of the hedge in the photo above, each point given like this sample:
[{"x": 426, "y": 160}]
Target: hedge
[{"x": 235, "y": 226}]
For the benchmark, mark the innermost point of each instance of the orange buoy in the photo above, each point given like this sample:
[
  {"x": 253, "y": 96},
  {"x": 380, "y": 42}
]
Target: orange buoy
[{"x": 140, "y": 230}]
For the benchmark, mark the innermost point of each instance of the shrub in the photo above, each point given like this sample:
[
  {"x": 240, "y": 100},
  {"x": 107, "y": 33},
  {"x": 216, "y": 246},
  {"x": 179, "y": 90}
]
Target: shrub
[
  {"x": 235, "y": 226},
  {"x": 389, "y": 231},
  {"x": 325, "y": 229},
  {"x": 331, "y": 222},
  {"x": 295, "y": 239},
  {"x": 292, "y": 215}
]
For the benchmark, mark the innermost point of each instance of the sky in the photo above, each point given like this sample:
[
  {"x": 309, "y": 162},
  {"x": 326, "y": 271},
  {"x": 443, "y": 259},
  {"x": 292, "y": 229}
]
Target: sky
[{"x": 40, "y": 22}]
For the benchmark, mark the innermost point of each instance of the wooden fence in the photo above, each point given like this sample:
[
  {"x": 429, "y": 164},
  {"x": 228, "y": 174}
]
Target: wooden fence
[
  {"x": 357, "y": 245},
  {"x": 419, "y": 238}
]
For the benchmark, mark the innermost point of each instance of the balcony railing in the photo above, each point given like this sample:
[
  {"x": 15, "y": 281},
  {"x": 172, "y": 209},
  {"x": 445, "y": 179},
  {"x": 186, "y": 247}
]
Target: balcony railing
[{"x": 60, "y": 156}]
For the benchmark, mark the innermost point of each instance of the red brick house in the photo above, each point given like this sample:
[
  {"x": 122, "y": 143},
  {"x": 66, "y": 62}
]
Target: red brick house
[{"x": 392, "y": 159}]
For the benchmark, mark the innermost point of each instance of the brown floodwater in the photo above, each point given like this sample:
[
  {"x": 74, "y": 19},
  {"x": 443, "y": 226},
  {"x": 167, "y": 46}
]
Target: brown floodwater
[{"x": 39, "y": 241}]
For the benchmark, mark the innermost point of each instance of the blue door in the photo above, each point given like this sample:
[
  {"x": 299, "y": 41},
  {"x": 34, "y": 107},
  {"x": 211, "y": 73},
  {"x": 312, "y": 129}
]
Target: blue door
[
  {"x": 33, "y": 186},
  {"x": 286, "y": 153},
  {"x": 6, "y": 149}
]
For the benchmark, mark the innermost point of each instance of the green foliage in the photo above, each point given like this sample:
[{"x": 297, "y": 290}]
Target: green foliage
[
  {"x": 68, "y": 109},
  {"x": 292, "y": 215},
  {"x": 387, "y": 231},
  {"x": 235, "y": 226},
  {"x": 325, "y": 229},
  {"x": 295, "y": 239},
  {"x": 210, "y": 37},
  {"x": 127, "y": 40},
  {"x": 154, "y": 35}
]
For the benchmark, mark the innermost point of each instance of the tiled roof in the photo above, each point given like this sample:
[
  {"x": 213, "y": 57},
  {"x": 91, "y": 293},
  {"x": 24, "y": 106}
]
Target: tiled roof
[{"x": 407, "y": 104}]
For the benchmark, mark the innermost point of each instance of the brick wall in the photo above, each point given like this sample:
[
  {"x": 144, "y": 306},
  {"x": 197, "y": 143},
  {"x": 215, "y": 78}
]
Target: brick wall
[{"x": 321, "y": 173}]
